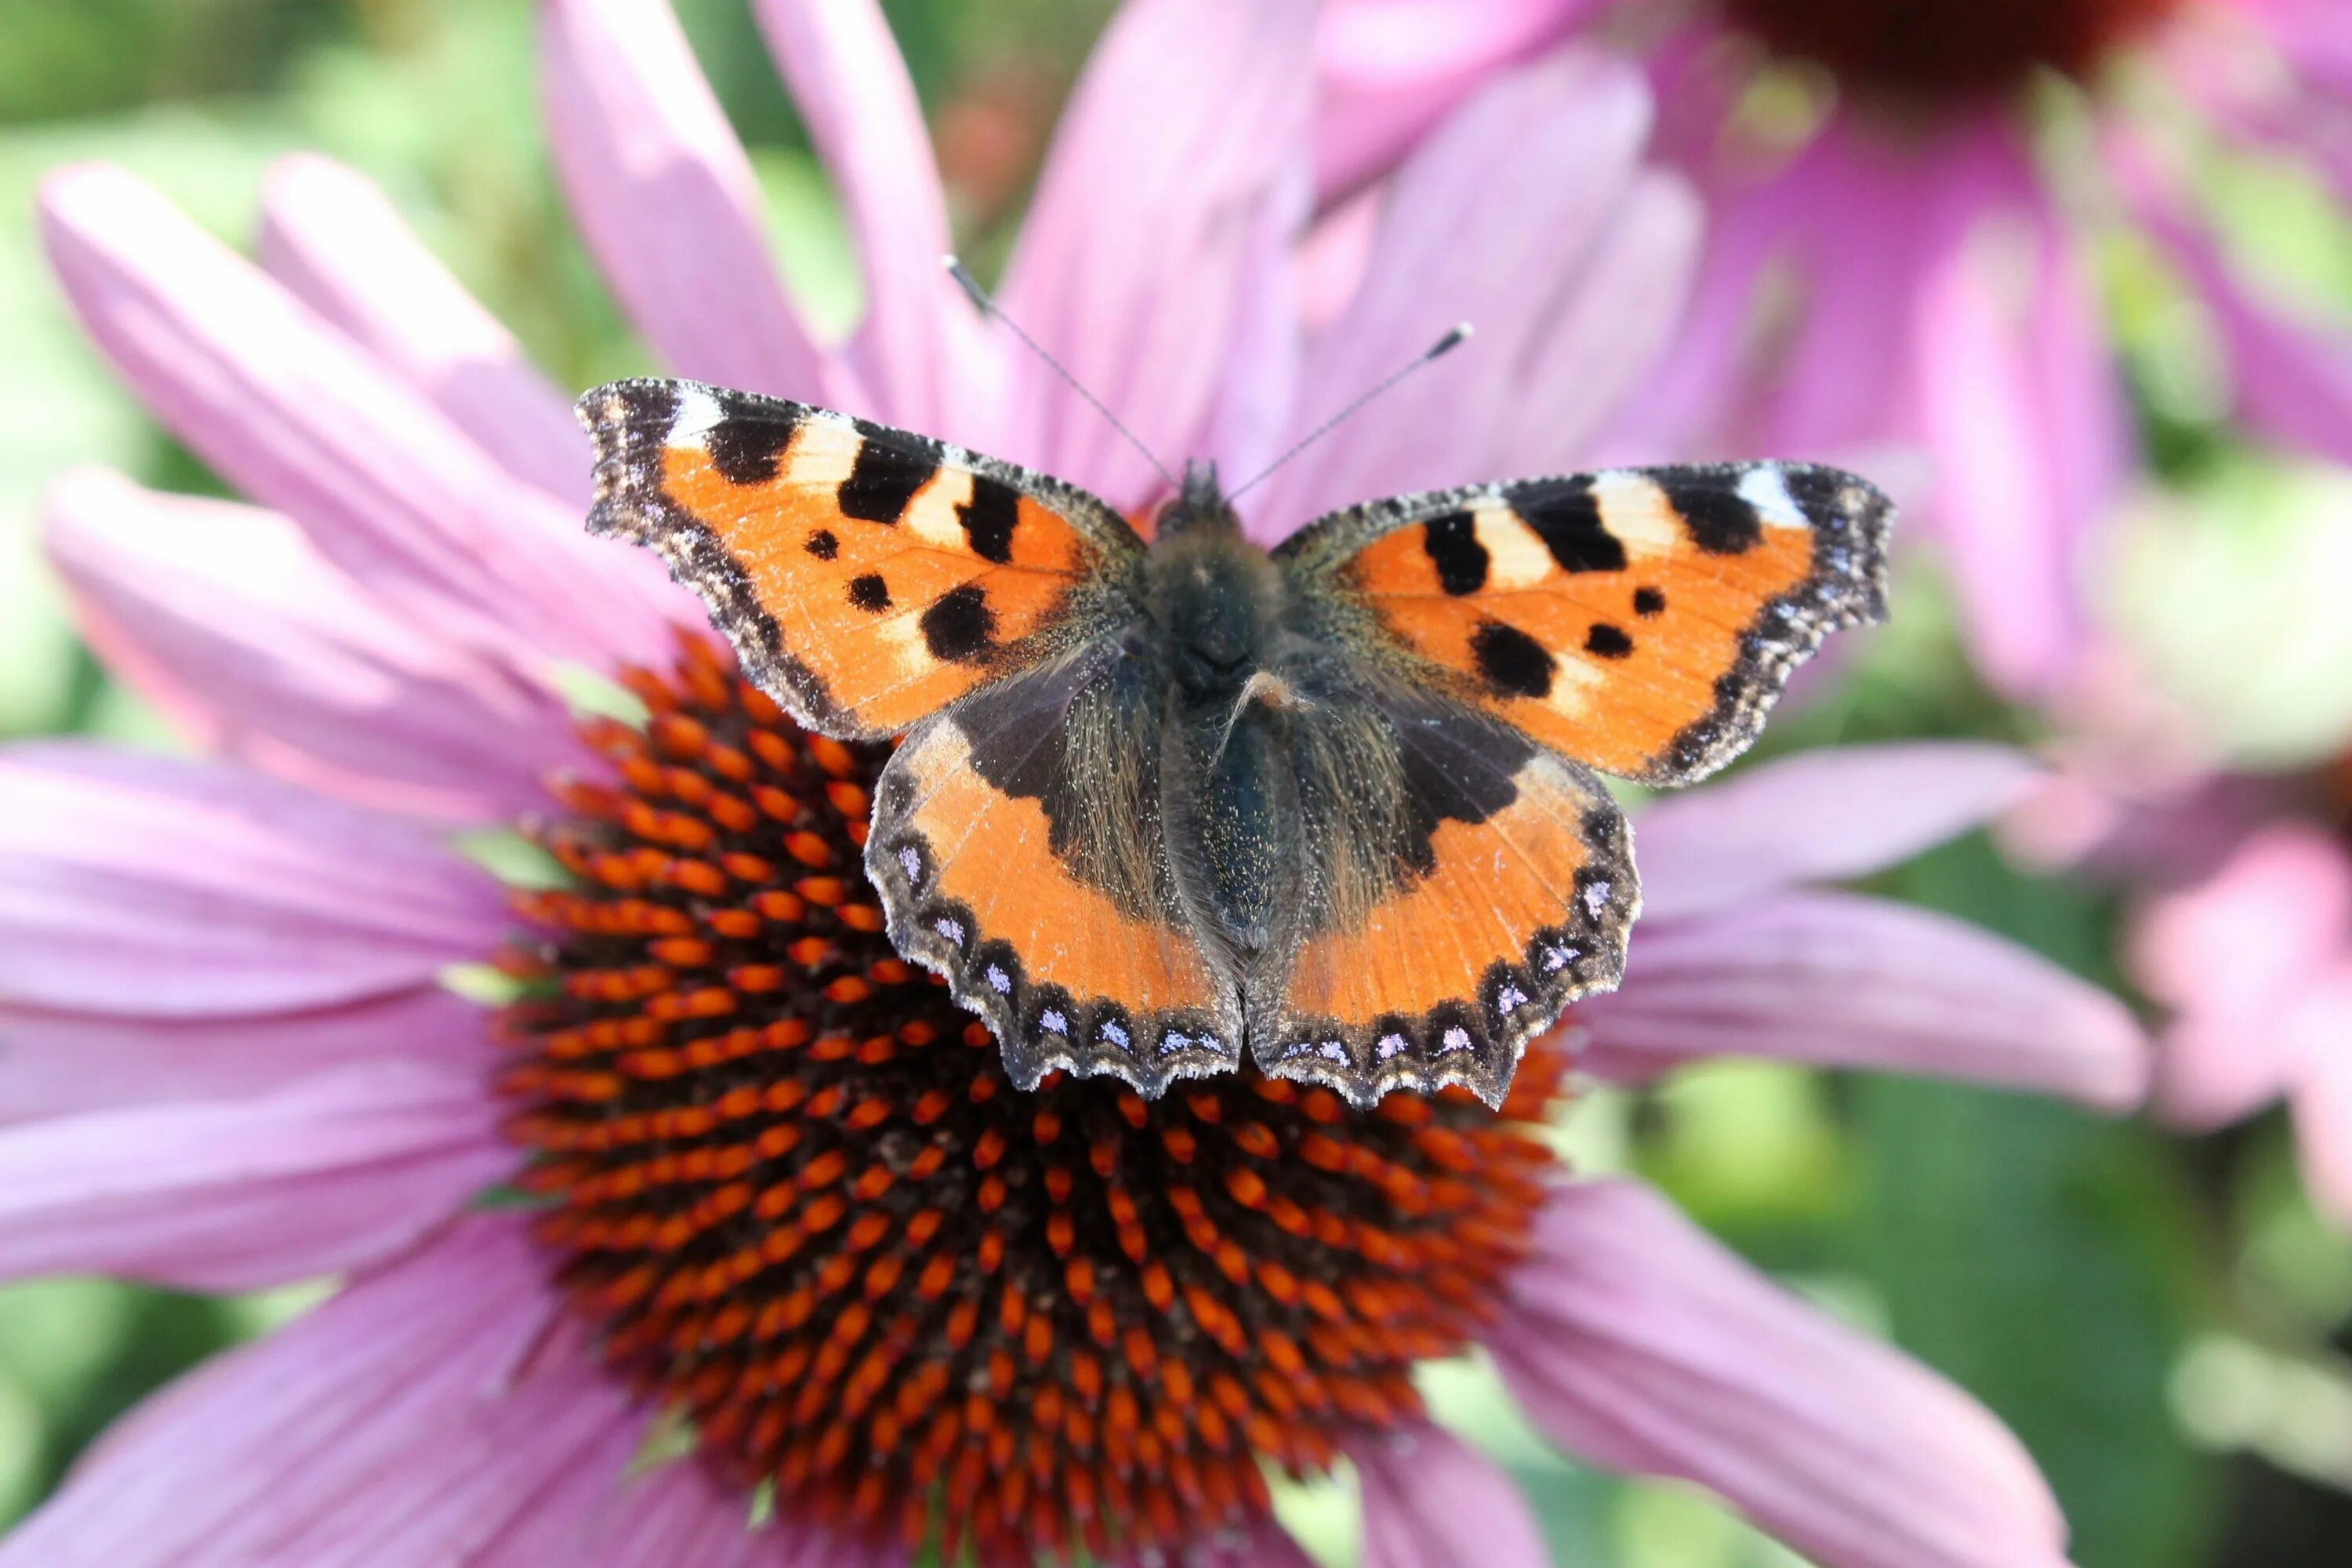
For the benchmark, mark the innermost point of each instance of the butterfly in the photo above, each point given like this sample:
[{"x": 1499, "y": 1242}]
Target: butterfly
[{"x": 1156, "y": 805}]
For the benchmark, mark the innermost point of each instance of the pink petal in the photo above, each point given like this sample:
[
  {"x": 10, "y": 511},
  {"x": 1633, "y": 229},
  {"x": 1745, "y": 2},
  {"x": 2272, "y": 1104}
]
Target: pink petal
[
  {"x": 2275, "y": 912},
  {"x": 1685, "y": 405},
  {"x": 2323, "y": 1100},
  {"x": 2274, "y": 73},
  {"x": 667, "y": 201},
  {"x": 415, "y": 1419},
  {"x": 1639, "y": 1342},
  {"x": 232, "y": 623},
  {"x": 2317, "y": 35},
  {"x": 1609, "y": 326},
  {"x": 335, "y": 1172},
  {"x": 675, "y": 1516},
  {"x": 2292, "y": 379},
  {"x": 142, "y": 886},
  {"x": 917, "y": 351},
  {"x": 1149, "y": 226},
  {"x": 1845, "y": 981},
  {"x": 2026, "y": 416},
  {"x": 329, "y": 234},
  {"x": 295, "y": 413},
  {"x": 1540, "y": 166},
  {"x": 57, "y": 1064},
  {"x": 1251, "y": 412},
  {"x": 2238, "y": 956},
  {"x": 1864, "y": 217},
  {"x": 1432, "y": 1501},
  {"x": 1816, "y": 818},
  {"x": 1261, "y": 1545},
  {"x": 1390, "y": 70},
  {"x": 2219, "y": 1068}
]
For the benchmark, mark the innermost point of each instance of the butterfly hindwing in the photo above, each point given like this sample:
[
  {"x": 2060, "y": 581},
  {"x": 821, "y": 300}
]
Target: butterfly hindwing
[
  {"x": 1468, "y": 885},
  {"x": 867, "y": 576},
  {"x": 1019, "y": 848},
  {"x": 1639, "y": 621}
]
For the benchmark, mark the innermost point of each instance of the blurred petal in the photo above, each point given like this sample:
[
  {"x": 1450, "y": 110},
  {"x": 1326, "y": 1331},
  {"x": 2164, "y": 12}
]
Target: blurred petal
[
  {"x": 676, "y": 1516},
  {"x": 232, "y": 623},
  {"x": 1817, "y": 818},
  {"x": 2274, "y": 73},
  {"x": 335, "y": 1172},
  {"x": 60, "y": 1063},
  {"x": 1251, "y": 412},
  {"x": 667, "y": 201},
  {"x": 1863, "y": 219},
  {"x": 2292, "y": 380},
  {"x": 1845, "y": 981},
  {"x": 1539, "y": 166},
  {"x": 1683, "y": 406},
  {"x": 1263, "y": 1545},
  {"x": 2235, "y": 956},
  {"x": 1432, "y": 1501},
  {"x": 297, "y": 416},
  {"x": 1613, "y": 317},
  {"x": 2024, "y": 413},
  {"x": 1390, "y": 70},
  {"x": 1639, "y": 1342},
  {"x": 1149, "y": 226},
  {"x": 414, "y": 1418},
  {"x": 2323, "y": 1100},
  {"x": 2276, "y": 912},
  {"x": 152, "y": 887},
  {"x": 915, "y": 350},
  {"x": 332, "y": 238}
]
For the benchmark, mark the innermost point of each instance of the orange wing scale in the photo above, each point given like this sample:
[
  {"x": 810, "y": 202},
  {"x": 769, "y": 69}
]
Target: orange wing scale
[
  {"x": 993, "y": 857},
  {"x": 1638, "y": 622},
  {"x": 867, "y": 576},
  {"x": 1454, "y": 969}
]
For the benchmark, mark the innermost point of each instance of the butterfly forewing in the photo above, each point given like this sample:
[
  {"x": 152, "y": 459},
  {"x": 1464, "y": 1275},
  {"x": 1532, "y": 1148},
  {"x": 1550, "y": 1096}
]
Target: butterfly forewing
[
  {"x": 867, "y": 576},
  {"x": 1639, "y": 621}
]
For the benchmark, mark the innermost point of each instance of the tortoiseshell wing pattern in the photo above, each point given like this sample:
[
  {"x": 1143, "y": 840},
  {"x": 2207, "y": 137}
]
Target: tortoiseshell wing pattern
[{"x": 1374, "y": 853}]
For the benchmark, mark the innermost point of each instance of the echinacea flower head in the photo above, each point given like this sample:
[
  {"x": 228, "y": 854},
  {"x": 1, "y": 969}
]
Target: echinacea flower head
[
  {"x": 804, "y": 1205},
  {"x": 1904, "y": 206},
  {"x": 711, "y": 1232}
]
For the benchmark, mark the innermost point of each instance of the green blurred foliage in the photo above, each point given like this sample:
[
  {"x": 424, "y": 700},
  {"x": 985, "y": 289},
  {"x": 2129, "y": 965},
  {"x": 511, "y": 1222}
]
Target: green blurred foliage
[{"x": 2162, "y": 1322}]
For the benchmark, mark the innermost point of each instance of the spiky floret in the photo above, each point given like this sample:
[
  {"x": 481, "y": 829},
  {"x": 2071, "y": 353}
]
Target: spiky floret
[{"x": 787, "y": 1181}]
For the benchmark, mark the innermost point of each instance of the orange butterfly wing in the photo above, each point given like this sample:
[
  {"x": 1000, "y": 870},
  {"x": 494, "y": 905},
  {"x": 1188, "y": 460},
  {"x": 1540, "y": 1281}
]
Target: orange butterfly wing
[
  {"x": 867, "y": 576},
  {"x": 1019, "y": 844},
  {"x": 1641, "y": 621}
]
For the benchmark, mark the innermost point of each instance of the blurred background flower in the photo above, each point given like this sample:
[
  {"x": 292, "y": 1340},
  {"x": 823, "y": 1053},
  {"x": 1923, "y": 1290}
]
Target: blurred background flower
[
  {"x": 1912, "y": 206},
  {"x": 2162, "y": 1319}
]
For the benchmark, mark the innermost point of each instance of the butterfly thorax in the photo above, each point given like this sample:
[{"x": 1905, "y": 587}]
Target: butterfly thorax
[
  {"x": 1214, "y": 597},
  {"x": 1216, "y": 603}
]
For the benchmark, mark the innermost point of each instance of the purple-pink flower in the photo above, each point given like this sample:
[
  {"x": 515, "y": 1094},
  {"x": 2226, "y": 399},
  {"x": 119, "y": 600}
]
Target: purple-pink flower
[
  {"x": 236, "y": 1055},
  {"x": 2238, "y": 890},
  {"x": 1902, "y": 226},
  {"x": 2254, "y": 962}
]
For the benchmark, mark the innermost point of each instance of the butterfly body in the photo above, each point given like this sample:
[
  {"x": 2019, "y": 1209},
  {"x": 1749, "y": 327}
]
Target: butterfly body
[{"x": 1160, "y": 806}]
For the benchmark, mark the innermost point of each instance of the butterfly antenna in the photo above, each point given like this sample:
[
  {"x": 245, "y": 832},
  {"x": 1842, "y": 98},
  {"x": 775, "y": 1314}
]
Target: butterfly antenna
[
  {"x": 988, "y": 307},
  {"x": 1453, "y": 340}
]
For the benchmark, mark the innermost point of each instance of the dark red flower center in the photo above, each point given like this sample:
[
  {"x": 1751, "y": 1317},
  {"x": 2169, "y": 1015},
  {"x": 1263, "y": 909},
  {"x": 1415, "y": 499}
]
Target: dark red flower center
[
  {"x": 788, "y": 1179},
  {"x": 1941, "y": 50}
]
